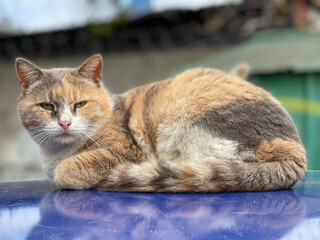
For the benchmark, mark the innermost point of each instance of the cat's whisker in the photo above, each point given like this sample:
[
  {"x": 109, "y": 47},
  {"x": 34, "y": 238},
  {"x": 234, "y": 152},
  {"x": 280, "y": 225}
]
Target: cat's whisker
[
  {"x": 44, "y": 139},
  {"x": 84, "y": 140},
  {"x": 108, "y": 154},
  {"x": 98, "y": 127},
  {"x": 38, "y": 135},
  {"x": 35, "y": 128},
  {"x": 97, "y": 139},
  {"x": 51, "y": 138},
  {"x": 92, "y": 139},
  {"x": 103, "y": 133},
  {"x": 121, "y": 128},
  {"x": 47, "y": 139},
  {"x": 113, "y": 126},
  {"x": 106, "y": 145},
  {"x": 38, "y": 140},
  {"x": 38, "y": 130}
]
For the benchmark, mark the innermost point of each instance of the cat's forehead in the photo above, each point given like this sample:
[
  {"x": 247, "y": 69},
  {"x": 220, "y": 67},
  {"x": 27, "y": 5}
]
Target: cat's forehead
[
  {"x": 57, "y": 84},
  {"x": 58, "y": 74},
  {"x": 56, "y": 77},
  {"x": 68, "y": 86}
]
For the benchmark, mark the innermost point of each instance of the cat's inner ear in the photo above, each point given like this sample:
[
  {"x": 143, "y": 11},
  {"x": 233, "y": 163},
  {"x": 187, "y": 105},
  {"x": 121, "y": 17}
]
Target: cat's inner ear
[
  {"x": 92, "y": 68},
  {"x": 27, "y": 72}
]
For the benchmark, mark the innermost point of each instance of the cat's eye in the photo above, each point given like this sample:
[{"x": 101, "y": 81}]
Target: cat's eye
[
  {"x": 47, "y": 106},
  {"x": 80, "y": 104}
]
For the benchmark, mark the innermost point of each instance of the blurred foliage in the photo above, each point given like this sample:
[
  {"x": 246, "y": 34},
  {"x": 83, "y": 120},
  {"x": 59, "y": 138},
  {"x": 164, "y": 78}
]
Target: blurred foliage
[
  {"x": 222, "y": 25},
  {"x": 106, "y": 29}
]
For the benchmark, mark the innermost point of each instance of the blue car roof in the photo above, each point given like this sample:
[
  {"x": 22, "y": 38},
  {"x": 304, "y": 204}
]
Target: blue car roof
[{"x": 37, "y": 210}]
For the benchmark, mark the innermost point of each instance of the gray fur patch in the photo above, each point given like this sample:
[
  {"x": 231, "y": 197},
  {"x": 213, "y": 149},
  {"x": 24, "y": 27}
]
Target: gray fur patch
[
  {"x": 249, "y": 123},
  {"x": 57, "y": 74}
]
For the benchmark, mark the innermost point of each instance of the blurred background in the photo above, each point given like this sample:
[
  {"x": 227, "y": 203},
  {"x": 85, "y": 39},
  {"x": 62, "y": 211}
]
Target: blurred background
[{"x": 149, "y": 40}]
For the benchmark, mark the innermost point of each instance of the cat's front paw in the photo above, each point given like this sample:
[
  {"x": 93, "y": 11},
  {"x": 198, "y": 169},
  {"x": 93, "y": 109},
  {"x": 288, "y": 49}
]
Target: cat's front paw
[{"x": 67, "y": 175}]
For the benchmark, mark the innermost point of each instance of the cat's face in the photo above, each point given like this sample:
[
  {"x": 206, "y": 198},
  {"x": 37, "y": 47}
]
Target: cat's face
[{"x": 62, "y": 106}]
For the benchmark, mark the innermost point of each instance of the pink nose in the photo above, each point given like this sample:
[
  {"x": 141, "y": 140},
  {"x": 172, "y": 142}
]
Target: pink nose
[{"x": 65, "y": 124}]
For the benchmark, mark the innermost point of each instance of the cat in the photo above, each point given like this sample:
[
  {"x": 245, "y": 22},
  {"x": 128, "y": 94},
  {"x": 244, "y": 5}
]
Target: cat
[{"x": 203, "y": 130}]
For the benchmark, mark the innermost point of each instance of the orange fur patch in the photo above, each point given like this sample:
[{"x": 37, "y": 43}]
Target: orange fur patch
[{"x": 281, "y": 150}]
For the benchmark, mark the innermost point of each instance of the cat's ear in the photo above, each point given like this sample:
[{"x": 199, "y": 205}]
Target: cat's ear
[
  {"x": 27, "y": 72},
  {"x": 241, "y": 70},
  {"x": 92, "y": 68}
]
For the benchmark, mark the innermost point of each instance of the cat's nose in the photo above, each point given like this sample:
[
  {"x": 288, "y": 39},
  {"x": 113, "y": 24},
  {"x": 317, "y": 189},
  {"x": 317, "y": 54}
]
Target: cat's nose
[{"x": 65, "y": 124}]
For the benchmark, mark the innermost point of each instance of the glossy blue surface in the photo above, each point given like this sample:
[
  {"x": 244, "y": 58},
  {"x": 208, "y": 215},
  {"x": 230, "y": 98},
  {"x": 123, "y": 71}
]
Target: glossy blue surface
[{"x": 35, "y": 210}]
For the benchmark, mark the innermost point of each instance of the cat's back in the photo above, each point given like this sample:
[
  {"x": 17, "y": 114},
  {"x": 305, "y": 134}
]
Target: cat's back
[
  {"x": 193, "y": 93},
  {"x": 212, "y": 86}
]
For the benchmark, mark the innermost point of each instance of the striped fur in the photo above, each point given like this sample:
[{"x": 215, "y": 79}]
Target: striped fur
[{"x": 201, "y": 131}]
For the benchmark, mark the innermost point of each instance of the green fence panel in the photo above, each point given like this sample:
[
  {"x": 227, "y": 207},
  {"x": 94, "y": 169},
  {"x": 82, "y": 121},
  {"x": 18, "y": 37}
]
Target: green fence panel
[{"x": 300, "y": 95}]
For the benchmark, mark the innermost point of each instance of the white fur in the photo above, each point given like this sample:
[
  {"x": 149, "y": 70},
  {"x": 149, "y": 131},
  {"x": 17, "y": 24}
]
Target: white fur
[
  {"x": 66, "y": 114},
  {"x": 51, "y": 159},
  {"x": 178, "y": 145},
  {"x": 183, "y": 142}
]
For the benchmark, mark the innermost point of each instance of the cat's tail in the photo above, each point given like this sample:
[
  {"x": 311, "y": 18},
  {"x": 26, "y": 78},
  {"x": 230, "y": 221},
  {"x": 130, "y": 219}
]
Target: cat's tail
[{"x": 278, "y": 165}]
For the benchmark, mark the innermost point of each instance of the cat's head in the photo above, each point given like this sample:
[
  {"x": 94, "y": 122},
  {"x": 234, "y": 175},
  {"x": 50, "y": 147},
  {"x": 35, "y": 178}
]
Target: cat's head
[{"x": 62, "y": 106}]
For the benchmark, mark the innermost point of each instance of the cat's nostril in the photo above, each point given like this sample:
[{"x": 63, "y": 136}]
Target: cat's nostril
[{"x": 65, "y": 124}]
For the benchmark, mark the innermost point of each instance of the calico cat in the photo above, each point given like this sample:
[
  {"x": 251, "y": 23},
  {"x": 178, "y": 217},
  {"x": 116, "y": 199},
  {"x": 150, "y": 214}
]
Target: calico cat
[{"x": 203, "y": 130}]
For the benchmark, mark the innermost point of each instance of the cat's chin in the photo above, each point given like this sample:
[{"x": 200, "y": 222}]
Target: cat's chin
[{"x": 65, "y": 138}]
